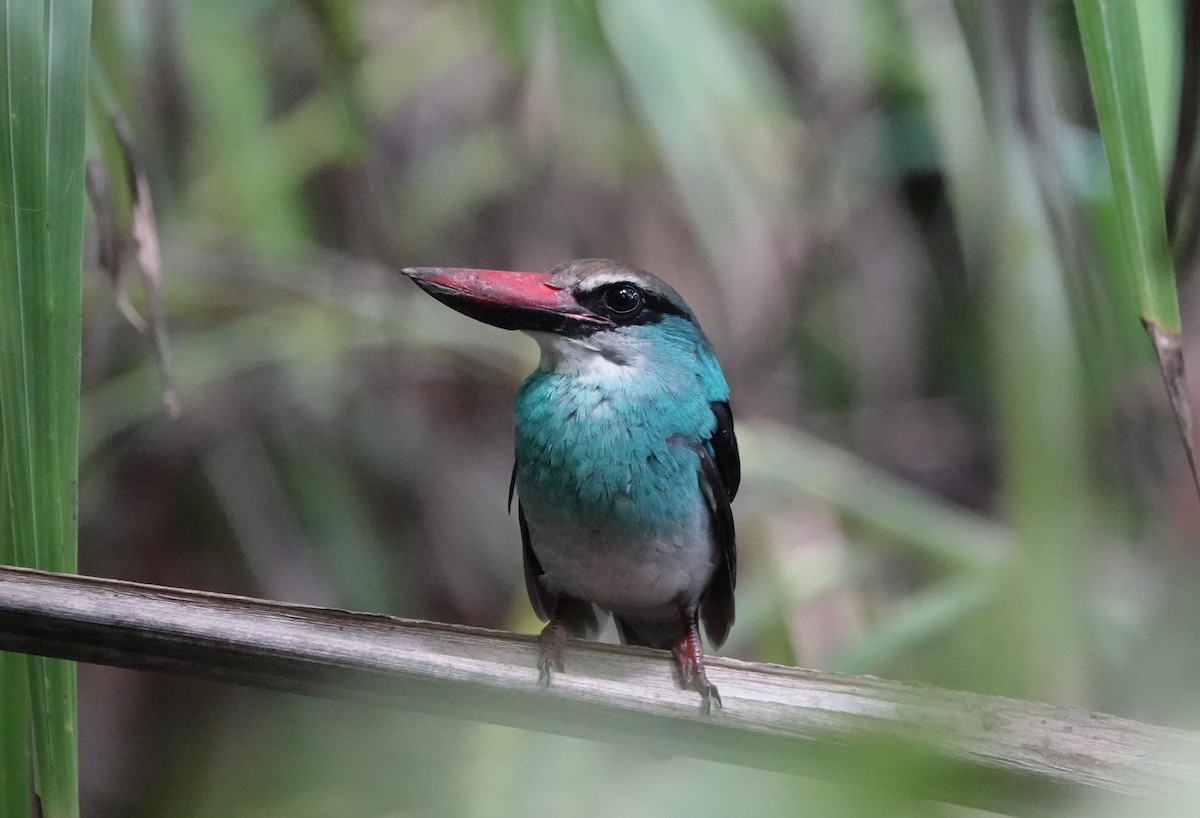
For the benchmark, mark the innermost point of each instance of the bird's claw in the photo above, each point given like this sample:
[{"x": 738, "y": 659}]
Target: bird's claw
[
  {"x": 550, "y": 658},
  {"x": 709, "y": 695},
  {"x": 548, "y": 665},
  {"x": 693, "y": 677}
]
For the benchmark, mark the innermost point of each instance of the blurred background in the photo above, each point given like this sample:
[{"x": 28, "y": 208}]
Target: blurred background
[{"x": 894, "y": 220}]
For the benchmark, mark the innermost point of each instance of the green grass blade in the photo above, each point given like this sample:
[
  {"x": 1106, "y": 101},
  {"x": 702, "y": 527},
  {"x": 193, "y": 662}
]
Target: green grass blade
[
  {"x": 1112, "y": 48},
  {"x": 14, "y": 735},
  {"x": 14, "y": 694},
  {"x": 1113, "y": 52},
  {"x": 44, "y": 50}
]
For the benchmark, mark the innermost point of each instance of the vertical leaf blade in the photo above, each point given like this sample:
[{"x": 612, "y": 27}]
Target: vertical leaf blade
[
  {"x": 1112, "y": 49},
  {"x": 1113, "y": 52},
  {"x": 14, "y": 695},
  {"x": 44, "y": 50}
]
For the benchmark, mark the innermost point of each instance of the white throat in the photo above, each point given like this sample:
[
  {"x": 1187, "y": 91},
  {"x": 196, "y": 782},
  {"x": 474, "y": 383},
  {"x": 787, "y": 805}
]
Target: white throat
[{"x": 601, "y": 355}]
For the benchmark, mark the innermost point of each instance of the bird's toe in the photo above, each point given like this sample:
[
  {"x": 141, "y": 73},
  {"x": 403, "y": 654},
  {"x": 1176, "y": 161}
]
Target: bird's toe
[{"x": 550, "y": 657}]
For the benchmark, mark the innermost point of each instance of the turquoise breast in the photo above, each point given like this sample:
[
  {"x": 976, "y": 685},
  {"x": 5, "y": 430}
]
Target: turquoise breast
[{"x": 619, "y": 450}]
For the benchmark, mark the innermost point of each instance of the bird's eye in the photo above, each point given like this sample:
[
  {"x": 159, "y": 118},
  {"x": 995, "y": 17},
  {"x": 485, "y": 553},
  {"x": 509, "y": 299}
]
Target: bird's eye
[{"x": 623, "y": 299}]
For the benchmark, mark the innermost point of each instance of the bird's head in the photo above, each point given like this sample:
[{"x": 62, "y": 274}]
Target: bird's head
[{"x": 588, "y": 315}]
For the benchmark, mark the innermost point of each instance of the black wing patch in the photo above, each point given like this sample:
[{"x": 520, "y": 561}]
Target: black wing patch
[
  {"x": 720, "y": 475},
  {"x": 541, "y": 599},
  {"x": 725, "y": 449}
]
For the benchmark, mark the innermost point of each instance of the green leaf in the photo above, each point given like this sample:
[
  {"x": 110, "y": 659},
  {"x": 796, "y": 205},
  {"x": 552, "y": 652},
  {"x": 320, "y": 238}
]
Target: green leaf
[
  {"x": 44, "y": 51},
  {"x": 1112, "y": 48},
  {"x": 14, "y": 697},
  {"x": 1116, "y": 70},
  {"x": 14, "y": 735}
]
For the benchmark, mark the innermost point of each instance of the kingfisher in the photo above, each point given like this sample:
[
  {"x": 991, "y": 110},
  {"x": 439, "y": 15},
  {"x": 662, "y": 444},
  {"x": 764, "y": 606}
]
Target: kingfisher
[{"x": 626, "y": 460}]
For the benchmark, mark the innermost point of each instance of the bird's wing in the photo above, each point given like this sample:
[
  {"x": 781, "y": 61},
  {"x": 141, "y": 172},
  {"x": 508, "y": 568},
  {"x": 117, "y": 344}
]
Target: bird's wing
[
  {"x": 725, "y": 448},
  {"x": 720, "y": 475},
  {"x": 541, "y": 599}
]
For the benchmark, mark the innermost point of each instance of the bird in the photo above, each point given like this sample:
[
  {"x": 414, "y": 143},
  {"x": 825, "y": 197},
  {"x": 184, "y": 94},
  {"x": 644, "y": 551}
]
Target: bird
[{"x": 626, "y": 460}]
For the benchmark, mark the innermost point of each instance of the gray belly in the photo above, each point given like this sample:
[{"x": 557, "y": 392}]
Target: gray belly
[{"x": 648, "y": 575}]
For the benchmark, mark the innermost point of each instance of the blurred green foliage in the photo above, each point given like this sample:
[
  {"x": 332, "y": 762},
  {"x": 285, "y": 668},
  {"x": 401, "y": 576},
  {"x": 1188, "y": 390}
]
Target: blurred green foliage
[{"x": 894, "y": 219}]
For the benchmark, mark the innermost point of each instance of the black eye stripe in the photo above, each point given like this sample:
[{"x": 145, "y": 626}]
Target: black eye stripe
[
  {"x": 653, "y": 306},
  {"x": 661, "y": 306}
]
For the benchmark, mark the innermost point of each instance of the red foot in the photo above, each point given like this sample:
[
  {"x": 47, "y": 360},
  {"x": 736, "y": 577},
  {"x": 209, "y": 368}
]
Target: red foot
[{"x": 689, "y": 657}]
